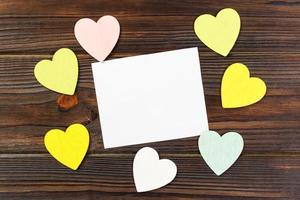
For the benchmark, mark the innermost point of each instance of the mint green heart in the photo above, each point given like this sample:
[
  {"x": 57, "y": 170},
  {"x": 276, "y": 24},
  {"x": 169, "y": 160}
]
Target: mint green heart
[{"x": 218, "y": 152}]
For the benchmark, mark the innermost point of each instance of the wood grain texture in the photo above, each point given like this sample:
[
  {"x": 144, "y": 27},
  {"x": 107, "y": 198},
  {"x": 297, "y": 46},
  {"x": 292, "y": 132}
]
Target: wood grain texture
[{"x": 269, "y": 45}]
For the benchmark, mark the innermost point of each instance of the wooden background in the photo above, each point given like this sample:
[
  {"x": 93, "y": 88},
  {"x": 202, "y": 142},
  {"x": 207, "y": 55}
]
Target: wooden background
[{"x": 269, "y": 44}]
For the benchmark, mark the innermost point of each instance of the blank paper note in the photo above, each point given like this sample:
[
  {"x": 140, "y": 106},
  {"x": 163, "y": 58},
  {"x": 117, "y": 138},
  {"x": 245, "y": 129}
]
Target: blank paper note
[{"x": 150, "y": 98}]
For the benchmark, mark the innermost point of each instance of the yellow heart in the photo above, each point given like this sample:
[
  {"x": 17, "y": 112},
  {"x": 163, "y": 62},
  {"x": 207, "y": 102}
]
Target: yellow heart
[
  {"x": 69, "y": 147},
  {"x": 60, "y": 74},
  {"x": 238, "y": 89},
  {"x": 218, "y": 33}
]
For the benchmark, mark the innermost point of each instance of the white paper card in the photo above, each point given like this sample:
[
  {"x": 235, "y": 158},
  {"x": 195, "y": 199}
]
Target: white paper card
[{"x": 150, "y": 98}]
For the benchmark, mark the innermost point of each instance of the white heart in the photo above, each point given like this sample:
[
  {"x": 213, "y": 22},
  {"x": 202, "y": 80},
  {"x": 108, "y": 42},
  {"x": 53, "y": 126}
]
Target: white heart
[{"x": 149, "y": 172}]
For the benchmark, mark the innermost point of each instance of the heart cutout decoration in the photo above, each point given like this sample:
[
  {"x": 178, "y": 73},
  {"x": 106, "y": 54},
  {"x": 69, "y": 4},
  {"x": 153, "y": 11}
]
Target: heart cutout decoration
[
  {"x": 70, "y": 147},
  {"x": 98, "y": 39},
  {"x": 219, "y": 33},
  {"x": 238, "y": 89},
  {"x": 149, "y": 172},
  {"x": 60, "y": 74},
  {"x": 220, "y": 153}
]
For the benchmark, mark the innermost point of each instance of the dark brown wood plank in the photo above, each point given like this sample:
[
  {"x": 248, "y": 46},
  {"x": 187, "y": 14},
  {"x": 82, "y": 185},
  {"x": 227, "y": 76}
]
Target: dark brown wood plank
[
  {"x": 263, "y": 8},
  {"x": 94, "y": 195},
  {"x": 146, "y": 34},
  {"x": 251, "y": 176},
  {"x": 280, "y": 71},
  {"x": 29, "y": 139}
]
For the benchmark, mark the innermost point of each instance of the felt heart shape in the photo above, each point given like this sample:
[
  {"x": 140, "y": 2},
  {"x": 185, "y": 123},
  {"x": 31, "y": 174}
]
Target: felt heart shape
[
  {"x": 238, "y": 89},
  {"x": 70, "y": 147},
  {"x": 149, "y": 172},
  {"x": 218, "y": 33},
  {"x": 218, "y": 152},
  {"x": 98, "y": 39},
  {"x": 60, "y": 74}
]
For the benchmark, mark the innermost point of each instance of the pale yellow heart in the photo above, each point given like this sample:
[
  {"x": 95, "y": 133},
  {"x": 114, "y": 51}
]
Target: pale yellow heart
[
  {"x": 60, "y": 74},
  {"x": 219, "y": 33},
  {"x": 238, "y": 89},
  {"x": 69, "y": 147}
]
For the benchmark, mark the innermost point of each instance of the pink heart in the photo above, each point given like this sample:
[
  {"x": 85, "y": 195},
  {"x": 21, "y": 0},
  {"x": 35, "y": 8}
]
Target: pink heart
[{"x": 98, "y": 39}]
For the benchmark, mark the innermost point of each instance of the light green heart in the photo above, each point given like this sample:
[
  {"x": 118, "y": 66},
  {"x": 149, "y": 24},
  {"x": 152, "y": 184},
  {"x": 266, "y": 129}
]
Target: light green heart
[{"x": 218, "y": 152}]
